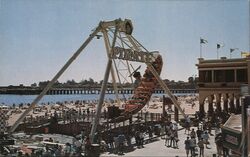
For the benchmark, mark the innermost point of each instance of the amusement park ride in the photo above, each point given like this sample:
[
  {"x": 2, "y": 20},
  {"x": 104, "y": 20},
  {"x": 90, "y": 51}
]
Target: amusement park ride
[{"x": 120, "y": 45}]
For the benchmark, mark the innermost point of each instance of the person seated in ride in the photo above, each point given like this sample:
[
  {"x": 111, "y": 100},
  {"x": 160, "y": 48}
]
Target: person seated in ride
[
  {"x": 148, "y": 75},
  {"x": 137, "y": 76},
  {"x": 157, "y": 64}
]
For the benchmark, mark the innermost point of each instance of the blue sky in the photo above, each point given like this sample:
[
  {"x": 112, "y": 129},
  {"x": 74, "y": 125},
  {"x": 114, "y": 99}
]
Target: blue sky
[{"x": 38, "y": 37}]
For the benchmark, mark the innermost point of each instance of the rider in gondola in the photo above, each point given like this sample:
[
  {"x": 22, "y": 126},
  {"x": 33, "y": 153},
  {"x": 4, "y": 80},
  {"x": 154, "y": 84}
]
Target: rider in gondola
[{"x": 137, "y": 76}]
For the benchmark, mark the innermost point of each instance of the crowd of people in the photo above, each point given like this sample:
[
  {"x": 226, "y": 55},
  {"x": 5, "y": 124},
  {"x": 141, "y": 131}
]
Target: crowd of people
[
  {"x": 53, "y": 149},
  {"x": 171, "y": 139},
  {"x": 121, "y": 140},
  {"x": 198, "y": 140}
]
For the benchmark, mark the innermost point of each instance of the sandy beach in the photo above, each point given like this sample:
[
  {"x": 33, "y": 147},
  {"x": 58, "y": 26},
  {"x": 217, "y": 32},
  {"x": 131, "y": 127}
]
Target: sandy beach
[{"x": 189, "y": 104}]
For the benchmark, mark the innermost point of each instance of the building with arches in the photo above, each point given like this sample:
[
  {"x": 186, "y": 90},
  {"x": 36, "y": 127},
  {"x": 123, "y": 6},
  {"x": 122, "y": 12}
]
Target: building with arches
[{"x": 220, "y": 83}]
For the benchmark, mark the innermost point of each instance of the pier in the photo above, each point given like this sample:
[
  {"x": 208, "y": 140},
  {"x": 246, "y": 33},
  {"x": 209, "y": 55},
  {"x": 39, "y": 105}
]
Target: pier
[{"x": 69, "y": 91}]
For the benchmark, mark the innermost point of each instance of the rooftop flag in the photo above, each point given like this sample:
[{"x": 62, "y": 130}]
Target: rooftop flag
[
  {"x": 231, "y": 50},
  {"x": 203, "y": 41},
  {"x": 220, "y": 45}
]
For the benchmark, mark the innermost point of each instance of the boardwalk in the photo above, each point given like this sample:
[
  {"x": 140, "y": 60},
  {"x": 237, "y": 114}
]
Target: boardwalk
[{"x": 157, "y": 148}]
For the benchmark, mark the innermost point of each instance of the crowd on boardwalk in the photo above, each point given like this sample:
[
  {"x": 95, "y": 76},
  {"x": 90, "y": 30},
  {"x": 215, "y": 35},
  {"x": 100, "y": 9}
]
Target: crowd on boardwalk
[
  {"x": 121, "y": 142},
  {"x": 198, "y": 138}
]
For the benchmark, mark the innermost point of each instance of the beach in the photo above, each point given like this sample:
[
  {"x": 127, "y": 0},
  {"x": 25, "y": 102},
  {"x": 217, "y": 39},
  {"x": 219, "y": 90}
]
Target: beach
[{"x": 188, "y": 103}]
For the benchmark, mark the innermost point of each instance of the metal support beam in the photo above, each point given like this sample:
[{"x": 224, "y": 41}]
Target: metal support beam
[
  {"x": 39, "y": 97},
  {"x": 132, "y": 42},
  {"x": 129, "y": 70},
  {"x": 166, "y": 89},
  {"x": 108, "y": 49},
  {"x": 100, "y": 102},
  {"x": 103, "y": 89}
]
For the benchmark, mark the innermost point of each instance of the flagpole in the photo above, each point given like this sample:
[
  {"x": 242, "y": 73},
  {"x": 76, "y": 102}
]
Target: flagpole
[
  {"x": 217, "y": 53},
  {"x": 200, "y": 51},
  {"x": 218, "y": 46},
  {"x": 231, "y": 51}
]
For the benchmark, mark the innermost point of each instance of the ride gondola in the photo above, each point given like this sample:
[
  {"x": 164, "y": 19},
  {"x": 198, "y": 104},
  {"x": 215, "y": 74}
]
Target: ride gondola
[{"x": 142, "y": 92}]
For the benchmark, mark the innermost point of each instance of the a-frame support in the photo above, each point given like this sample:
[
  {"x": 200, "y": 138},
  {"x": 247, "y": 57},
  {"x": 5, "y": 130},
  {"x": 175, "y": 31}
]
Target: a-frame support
[
  {"x": 103, "y": 25},
  {"x": 55, "y": 78},
  {"x": 108, "y": 49},
  {"x": 103, "y": 89}
]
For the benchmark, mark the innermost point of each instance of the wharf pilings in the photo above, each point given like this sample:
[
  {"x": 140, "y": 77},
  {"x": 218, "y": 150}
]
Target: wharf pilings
[{"x": 70, "y": 91}]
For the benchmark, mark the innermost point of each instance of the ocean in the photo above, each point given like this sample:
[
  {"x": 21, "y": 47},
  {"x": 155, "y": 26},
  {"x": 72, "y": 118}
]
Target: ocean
[{"x": 9, "y": 100}]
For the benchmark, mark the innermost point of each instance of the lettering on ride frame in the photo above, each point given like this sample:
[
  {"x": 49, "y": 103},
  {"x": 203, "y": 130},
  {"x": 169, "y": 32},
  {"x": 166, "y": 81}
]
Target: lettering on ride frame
[{"x": 131, "y": 55}]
